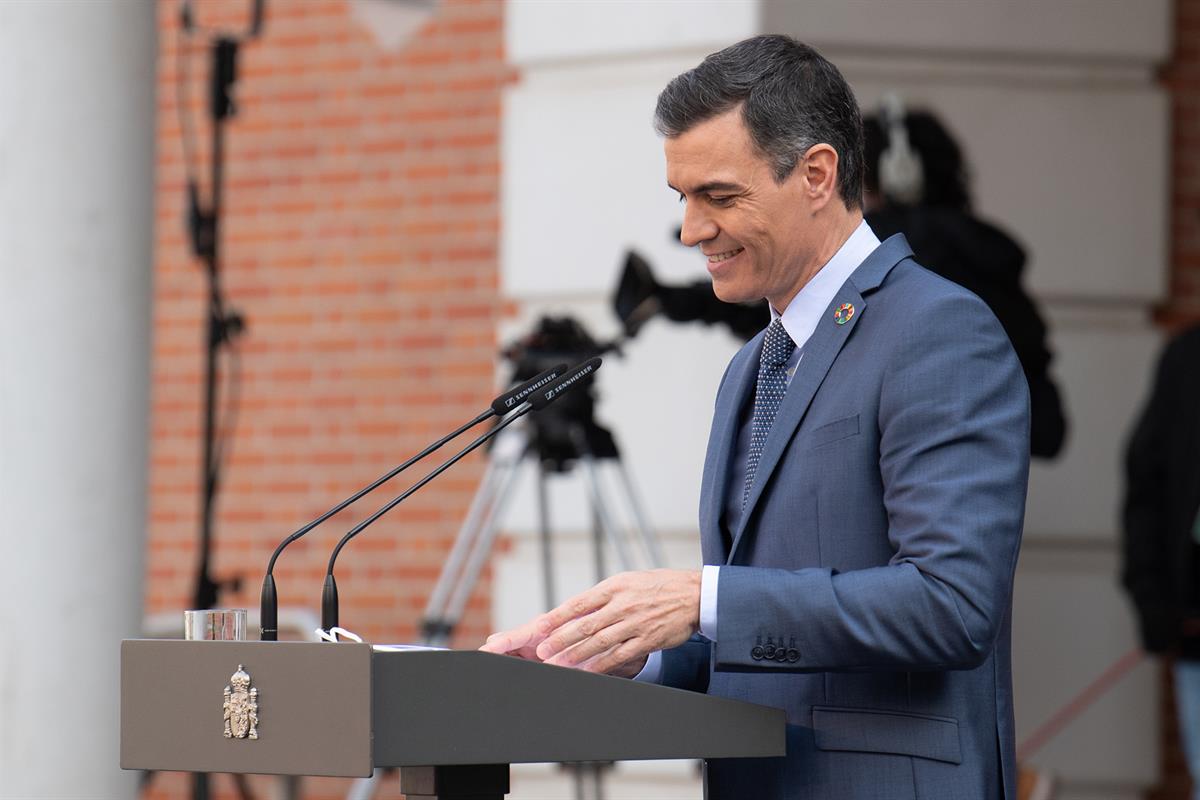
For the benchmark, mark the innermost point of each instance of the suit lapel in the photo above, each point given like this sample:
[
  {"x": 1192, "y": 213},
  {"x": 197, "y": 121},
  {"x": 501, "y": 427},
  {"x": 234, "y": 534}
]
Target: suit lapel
[
  {"x": 819, "y": 354},
  {"x": 739, "y": 384},
  {"x": 820, "y": 351}
]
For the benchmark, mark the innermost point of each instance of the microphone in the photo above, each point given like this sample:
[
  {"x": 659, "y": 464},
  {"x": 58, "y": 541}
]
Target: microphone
[
  {"x": 534, "y": 401},
  {"x": 514, "y": 397},
  {"x": 565, "y": 383},
  {"x": 269, "y": 603}
]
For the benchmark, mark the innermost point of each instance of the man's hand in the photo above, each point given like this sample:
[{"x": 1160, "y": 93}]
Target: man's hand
[{"x": 613, "y": 626}]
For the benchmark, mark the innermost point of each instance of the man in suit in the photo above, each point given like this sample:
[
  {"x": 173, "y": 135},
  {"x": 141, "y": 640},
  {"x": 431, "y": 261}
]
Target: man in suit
[{"x": 863, "y": 491}]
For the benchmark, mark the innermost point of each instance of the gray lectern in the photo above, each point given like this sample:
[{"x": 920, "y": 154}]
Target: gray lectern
[{"x": 452, "y": 720}]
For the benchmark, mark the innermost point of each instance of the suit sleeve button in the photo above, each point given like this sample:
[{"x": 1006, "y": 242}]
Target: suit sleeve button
[
  {"x": 781, "y": 655},
  {"x": 757, "y": 653},
  {"x": 769, "y": 651},
  {"x": 793, "y": 655}
]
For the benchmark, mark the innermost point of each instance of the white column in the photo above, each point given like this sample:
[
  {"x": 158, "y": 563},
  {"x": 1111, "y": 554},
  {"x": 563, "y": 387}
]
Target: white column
[{"x": 77, "y": 132}]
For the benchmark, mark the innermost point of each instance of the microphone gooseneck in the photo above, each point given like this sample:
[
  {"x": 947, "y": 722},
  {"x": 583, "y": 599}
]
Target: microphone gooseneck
[
  {"x": 269, "y": 604},
  {"x": 536, "y": 399},
  {"x": 329, "y": 601}
]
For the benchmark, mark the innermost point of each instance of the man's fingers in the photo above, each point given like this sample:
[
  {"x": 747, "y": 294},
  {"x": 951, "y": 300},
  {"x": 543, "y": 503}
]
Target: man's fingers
[
  {"x": 524, "y": 638},
  {"x": 570, "y": 634},
  {"x": 578, "y": 606},
  {"x": 510, "y": 641},
  {"x": 627, "y": 657},
  {"x": 496, "y": 643},
  {"x": 576, "y": 619},
  {"x": 611, "y": 625},
  {"x": 602, "y": 640}
]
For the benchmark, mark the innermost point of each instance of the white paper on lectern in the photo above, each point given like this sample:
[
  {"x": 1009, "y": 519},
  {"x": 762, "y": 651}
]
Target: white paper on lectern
[{"x": 403, "y": 648}]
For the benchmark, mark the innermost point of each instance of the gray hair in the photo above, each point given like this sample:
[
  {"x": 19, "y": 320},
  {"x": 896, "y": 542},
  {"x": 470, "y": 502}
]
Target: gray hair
[{"x": 791, "y": 99}]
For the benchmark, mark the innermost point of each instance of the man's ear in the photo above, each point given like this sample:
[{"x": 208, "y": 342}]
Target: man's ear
[{"x": 819, "y": 168}]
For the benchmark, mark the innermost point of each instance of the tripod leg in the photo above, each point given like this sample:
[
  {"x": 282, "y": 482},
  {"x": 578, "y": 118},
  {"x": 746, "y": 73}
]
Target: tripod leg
[
  {"x": 243, "y": 786},
  {"x": 577, "y": 778},
  {"x": 598, "y": 547},
  {"x": 288, "y": 787},
  {"x": 364, "y": 788},
  {"x": 480, "y": 551},
  {"x": 200, "y": 786},
  {"x": 598, "y": 780},
  {"x": 499, "y": 471},
  {"x": 601, "y": 510},
  {"x": 592, "y": 480},
  {"x": 547, "y": 547},
  {"x": 649, "y": 539}
]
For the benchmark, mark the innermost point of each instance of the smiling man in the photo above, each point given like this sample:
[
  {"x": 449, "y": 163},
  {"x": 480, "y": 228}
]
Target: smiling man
[{"x": 864, "y": 487}]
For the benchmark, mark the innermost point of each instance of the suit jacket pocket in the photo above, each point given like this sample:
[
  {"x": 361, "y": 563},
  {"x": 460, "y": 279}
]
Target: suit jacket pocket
[
  {"x": 831, "y": 432},
  {"x": 895, "y": 732}
]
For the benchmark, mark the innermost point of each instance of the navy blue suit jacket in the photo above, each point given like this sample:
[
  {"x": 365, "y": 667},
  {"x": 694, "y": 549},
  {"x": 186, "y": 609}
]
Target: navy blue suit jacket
[{"x": 876, "y": 551}]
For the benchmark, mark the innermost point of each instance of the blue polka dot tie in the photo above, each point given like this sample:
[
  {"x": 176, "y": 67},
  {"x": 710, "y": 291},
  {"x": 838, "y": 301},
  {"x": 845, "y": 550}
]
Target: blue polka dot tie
[{"x": 768, "y": 395}]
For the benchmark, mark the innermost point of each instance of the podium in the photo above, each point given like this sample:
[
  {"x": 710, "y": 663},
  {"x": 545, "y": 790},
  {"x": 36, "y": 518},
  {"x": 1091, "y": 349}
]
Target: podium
[{"x": 453, "y": 721}]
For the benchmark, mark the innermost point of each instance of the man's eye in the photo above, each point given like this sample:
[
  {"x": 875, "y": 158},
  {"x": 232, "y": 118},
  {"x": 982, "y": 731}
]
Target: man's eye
[
  {"x": 721, "y": 201},
  {"x": 682, "y": 199}
]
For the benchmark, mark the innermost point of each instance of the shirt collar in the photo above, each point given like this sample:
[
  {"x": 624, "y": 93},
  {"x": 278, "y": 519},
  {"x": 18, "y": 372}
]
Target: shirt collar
[{"x": 801, "y": 316}]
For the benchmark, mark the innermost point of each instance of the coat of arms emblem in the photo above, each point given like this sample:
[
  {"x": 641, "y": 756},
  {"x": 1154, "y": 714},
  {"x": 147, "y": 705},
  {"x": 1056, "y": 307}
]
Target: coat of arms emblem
[{"x": 241, "y": 707}]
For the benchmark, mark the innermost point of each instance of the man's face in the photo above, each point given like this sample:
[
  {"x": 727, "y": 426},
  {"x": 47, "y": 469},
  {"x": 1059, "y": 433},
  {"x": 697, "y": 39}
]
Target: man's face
[{"x": 755, "y": 232}]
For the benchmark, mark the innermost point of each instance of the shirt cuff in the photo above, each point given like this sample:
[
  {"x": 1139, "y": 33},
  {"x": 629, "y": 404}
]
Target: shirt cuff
[
  {"x": 652, "y": 672},
  {"x": 708, "y": 601}
]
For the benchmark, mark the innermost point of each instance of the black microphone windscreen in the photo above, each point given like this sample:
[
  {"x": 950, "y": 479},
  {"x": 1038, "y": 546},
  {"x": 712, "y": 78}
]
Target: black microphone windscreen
[
  {"x": 574, "y": 376},
  {"x": 518, "y": 395}
]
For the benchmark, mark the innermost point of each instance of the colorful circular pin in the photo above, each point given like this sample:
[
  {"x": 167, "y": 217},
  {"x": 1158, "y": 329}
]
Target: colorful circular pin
[{"x": 843, "y": 314}]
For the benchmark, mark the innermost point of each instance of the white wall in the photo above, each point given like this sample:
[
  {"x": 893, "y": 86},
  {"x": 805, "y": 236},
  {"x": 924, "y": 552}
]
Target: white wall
[
  {"x": 583, "y": 182},
  {"x": 1006, "y": 33},
  {"x": 1057, "y": 106},
  {"x": 76, "y": 166}
]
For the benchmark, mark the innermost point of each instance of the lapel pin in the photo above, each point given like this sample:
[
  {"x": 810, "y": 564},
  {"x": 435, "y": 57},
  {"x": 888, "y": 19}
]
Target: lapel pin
[{"x": 843, "y": 314}]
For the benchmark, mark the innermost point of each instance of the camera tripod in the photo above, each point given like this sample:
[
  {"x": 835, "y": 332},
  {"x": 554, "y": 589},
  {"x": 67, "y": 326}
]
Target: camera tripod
[
  {"x": 557, "y": 444},
  {"x": 477, "y": 536}
]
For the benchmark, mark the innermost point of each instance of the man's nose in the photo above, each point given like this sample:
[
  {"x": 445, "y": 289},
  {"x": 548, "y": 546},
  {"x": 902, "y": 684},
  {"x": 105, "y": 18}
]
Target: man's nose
[{"x": 697, "y": 226}]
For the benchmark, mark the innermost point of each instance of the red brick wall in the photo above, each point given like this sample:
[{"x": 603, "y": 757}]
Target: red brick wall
[
  {"x": 1182, "y": 79},
  {"x": 360, "y": 242}
]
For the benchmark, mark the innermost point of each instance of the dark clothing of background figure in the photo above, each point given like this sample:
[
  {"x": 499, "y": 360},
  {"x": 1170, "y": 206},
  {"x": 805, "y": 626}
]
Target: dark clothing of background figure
[
  {"x": 1162, "y": 501},
  {"x": 986, "y": 261},
  {"x": 697, "y": 302}
]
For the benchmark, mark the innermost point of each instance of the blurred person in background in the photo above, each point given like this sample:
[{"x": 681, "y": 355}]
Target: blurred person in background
[
  {"x": 1162, "y": 529},
  {"x": 915, "y": 183}
]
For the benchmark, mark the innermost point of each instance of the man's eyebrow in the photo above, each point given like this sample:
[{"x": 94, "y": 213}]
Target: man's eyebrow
[{"x": 712, "y": 186}]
